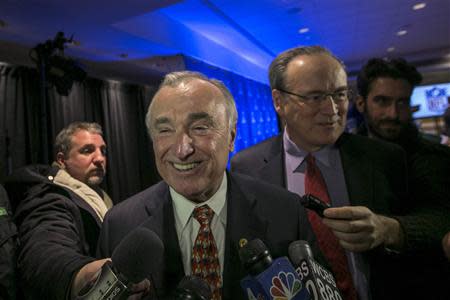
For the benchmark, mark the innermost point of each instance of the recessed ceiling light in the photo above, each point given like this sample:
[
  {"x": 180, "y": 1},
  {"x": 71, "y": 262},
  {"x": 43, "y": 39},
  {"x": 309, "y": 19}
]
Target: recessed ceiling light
[
  {"x": 402, "y": 32},
  {"x": 303, "y": 30},
  {"x": 419, "y": 5},
  {"x": 390, "y": 49}
]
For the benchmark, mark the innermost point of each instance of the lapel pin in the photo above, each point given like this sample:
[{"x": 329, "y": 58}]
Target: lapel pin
[{"x": 242, "y": 242}]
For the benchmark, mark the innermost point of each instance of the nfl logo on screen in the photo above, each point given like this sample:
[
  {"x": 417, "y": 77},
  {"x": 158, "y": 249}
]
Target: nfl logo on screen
[{"x": 436, "y": 99}]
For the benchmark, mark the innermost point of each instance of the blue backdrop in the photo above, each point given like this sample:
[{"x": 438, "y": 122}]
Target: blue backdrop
[{"x": 257, "y": 119}]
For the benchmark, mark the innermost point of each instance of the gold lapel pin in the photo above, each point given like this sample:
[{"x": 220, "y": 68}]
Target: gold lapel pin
[{"x": 242, "y": 242}]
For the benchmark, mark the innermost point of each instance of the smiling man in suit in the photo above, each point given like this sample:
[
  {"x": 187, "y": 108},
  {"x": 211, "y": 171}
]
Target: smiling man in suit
[
  {"x": 192, "y": 123},
  {"x": 363, "y": 180}
]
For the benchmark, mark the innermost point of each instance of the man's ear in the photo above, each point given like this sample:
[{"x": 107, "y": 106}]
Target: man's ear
[
  {"x": 233, "y": 138},
  {"x": 360, "y": 104},
  {"x": 61, "y": 159},
  {"x": 276, "y": 98}
]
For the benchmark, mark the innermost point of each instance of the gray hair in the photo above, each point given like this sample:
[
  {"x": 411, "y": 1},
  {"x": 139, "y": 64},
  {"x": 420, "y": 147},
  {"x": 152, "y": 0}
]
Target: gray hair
[
  {"x": 63, "y": 141},
  {"x": 279, "y": 65},
  {"x": 174, "y": 79}
]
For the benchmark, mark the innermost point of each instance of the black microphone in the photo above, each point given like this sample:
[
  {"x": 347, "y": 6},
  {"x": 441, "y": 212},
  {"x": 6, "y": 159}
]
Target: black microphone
[
  {"x": 319, "y": 281},
  {"x": 269, "y": 278},
  {"x": 193, "y": 288},
  {"x": 136, "y": 256},
  {"x": 313, "y": 203}
]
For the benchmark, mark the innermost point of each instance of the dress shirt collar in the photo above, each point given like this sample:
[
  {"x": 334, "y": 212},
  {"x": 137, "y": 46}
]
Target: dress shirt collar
[
  {"x": 184, "y": 207},
  {"x": 326, "y": 155}
]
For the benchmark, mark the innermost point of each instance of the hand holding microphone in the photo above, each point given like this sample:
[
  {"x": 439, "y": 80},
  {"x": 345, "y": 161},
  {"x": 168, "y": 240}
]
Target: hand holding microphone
[
  {"x": 131, "y": 265},
  {"x": 356, "y": 227},
  {"x": 359, "y": 229}
]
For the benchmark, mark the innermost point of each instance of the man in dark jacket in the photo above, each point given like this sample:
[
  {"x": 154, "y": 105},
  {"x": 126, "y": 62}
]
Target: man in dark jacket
[
  {"x": 385, "y": 88},
  {"x": 59, "y": 214},
  {"x": 8, "y": 235},
  {"x": 364, "y": 179},
  {"x": 192, "y": 123}
]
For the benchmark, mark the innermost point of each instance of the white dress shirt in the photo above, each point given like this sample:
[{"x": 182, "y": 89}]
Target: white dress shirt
[{"x": 187, "y": 226}]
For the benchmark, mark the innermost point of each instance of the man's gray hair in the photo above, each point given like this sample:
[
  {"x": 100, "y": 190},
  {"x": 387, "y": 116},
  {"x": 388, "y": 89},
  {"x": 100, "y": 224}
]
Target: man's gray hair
[
  {"x": 174, "y": 79},
  {"x": 279, "y": 65},
  {"x": 63, "y": 141}
]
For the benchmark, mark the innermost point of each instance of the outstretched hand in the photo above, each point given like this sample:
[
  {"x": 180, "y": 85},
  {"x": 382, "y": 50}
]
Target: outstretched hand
[{"x": 359, "y": 229}]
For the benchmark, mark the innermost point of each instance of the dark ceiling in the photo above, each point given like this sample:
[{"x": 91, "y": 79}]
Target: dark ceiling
[{"x": 125, "y": 39}]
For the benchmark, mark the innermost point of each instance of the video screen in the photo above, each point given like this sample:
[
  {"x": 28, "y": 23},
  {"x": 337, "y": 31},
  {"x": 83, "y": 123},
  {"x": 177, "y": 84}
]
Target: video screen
[{"x": 432, "y": 100}]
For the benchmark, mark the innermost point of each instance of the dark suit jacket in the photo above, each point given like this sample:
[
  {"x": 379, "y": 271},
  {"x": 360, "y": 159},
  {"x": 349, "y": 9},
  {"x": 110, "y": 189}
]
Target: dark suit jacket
[
  {"x": 375, "y": 172},
  {"x": 375, "y": 175},
  {"x": 254, "y": 210}
]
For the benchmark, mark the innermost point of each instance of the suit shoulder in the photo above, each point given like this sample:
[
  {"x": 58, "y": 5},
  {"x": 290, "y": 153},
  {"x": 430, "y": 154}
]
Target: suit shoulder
[
  {"x": 372, "y": 146},
  {"x": 136, "y": 206},
  {"x": 254, "y": 153},
  {"x": 264, "y": 145},
  {"x": 266, "y": 191}
]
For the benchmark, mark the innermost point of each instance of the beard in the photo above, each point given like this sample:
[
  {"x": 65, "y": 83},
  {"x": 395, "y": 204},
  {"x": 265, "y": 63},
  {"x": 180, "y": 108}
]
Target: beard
[
  {"x": 94, "y": 180},
  {"x": 95, "y": 177},
  {"x": 404, "y": 135},
  {"x": 386, "y": 129}
]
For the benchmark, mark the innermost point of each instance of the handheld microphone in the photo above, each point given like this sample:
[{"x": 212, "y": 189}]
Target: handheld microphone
[
  {"x": 313, "y": 203},
  {"x": 135, "y": 257},
  {"x": 269, "y": 279},
  {"x": 318, "y": 281},
  {"x": 193, "y": 288}
]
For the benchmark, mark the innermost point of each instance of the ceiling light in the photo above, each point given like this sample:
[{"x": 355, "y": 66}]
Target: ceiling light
[
  {"x": 402, "y": 32},
  {"x": 303, "y": 30},
  {"x": 390, "y": 49},
  {"x": 419, "y": 5}
]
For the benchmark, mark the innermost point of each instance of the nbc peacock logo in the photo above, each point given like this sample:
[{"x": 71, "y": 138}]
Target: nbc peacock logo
[{"x": 285, "y": 286}]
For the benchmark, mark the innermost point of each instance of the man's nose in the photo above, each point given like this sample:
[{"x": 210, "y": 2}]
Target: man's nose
[
  {"x": 328, "y": 106},
  {"x": 184, "y": 146},
  {"x": 99, "y": 157},
  {"x": 392, "y": 111}
]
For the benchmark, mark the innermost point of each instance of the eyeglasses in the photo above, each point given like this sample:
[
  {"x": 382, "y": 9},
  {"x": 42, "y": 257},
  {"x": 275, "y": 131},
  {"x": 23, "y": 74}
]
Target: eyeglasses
[{"x": 316, "y": 98}]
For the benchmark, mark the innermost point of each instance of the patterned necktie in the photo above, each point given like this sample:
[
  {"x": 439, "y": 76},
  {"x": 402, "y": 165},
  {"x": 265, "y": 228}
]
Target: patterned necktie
[
  {"x": 205, "y": 257},
  {"x": 328, "y": 243}
]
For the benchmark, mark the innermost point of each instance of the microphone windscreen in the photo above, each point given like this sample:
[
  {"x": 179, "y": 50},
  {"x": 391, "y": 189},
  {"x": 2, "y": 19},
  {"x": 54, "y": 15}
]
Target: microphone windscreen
[
  {"x": 298, "y": 251},
  {"x": 193, "y": 285},
  {"x": 255, "y": 256},
  {"x": 138, "y": 254}
]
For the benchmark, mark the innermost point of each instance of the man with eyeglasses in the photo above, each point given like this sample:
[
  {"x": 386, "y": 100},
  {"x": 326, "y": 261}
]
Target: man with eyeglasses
[
  {"x": 362, "y": 179},
  {"x": 385, "y": 88}
]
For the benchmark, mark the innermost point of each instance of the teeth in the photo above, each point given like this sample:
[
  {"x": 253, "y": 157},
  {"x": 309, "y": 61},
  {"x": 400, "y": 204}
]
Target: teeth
[{"x": 185, "y": 167}]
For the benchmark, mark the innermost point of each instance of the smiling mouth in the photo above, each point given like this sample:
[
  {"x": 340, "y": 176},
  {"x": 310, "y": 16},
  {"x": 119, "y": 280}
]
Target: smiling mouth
[
  {"x": 328, "y": 123},
  {"x": 185, "y": 167}
]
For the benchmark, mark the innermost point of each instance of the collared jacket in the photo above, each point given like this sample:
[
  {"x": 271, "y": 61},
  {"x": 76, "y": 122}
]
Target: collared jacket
[
  {"x": 8, "y": 234},
  {"x": 58, "y": 232}
]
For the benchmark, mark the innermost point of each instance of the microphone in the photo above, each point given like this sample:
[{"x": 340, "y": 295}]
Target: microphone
[
  {"x": 136, "y": 256},
  {"x": 269, "y": 279},
  {"x": 313, "y": 203},
  {"x": 193, "y": 288},
  {"x": 319, "y": 281}
]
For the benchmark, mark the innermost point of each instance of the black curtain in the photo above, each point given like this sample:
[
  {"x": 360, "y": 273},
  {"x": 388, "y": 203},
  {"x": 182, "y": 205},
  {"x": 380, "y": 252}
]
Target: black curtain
[{"x": 28, "y": 125}]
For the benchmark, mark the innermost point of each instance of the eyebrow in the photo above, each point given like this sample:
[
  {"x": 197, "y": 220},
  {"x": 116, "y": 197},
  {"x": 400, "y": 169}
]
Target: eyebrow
[
  {"x": 92, "y": 146},
  {"x": 162, "y": 120},
  {"x": 338, "y": 89},
  {"x": 192, "y": 117},
  {"x": 199, "y": 116}
]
